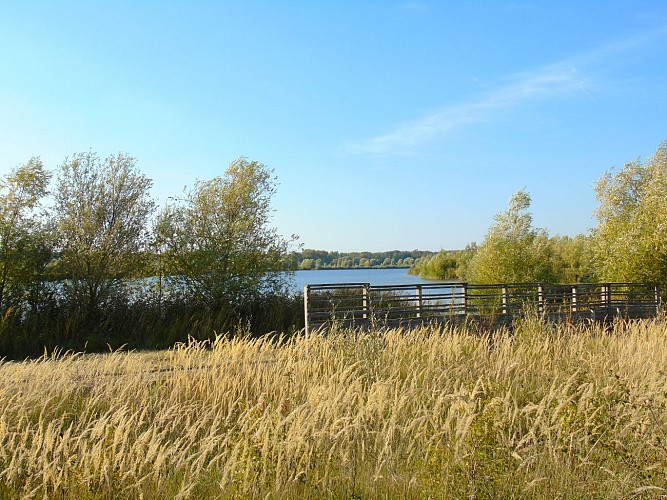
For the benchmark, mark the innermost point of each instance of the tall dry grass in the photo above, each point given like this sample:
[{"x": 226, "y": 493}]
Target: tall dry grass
[{"x": 545, "y": 412}]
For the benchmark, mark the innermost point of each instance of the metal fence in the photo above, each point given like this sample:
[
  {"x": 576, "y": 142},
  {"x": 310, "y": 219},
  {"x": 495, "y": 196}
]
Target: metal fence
[{"x": 363, "y": 304}]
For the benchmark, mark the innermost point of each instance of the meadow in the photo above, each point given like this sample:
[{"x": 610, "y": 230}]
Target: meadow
[{"x": 543, "y": 411}]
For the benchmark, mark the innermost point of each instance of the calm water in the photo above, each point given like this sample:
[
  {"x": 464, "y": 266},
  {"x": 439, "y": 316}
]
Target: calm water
[{"x": 372, "y": 276}]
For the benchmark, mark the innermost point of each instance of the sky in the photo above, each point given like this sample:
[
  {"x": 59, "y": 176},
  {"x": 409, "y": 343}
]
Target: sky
[{"x": 389, "y": 124}]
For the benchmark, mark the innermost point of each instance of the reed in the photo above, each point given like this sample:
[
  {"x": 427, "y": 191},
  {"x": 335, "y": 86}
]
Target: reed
[
  {"x": 546, "y": 411},
  {"x": 143, "y": 323}
]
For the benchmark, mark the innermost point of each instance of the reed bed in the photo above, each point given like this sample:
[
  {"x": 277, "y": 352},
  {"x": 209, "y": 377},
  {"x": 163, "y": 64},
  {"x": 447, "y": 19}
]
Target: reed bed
[{"x": 545, "y": 411}]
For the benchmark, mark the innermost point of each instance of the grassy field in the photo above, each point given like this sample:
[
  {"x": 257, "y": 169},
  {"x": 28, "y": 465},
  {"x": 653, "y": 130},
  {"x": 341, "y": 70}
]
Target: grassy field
[{"x": 546, "y": 412}]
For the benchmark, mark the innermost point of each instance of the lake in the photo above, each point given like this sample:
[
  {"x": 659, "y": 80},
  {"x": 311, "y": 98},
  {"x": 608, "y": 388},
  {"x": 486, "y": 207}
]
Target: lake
[{"x": 378, "y": 276}]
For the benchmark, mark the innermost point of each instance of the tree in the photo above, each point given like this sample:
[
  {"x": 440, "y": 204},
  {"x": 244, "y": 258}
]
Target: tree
[
  {"x": 513, "y": 251},
  {"x": 306, "y": 264},
  {"x": 630, "y": 240},
  {"x": 463, "y": 260},
  {"x": 23, "y": 248},
  {"x": 219, "y": 242},
  {"x": 572, "y": 260},
  {"x": 441, "y": 266},
  {"x": 102, "y": 211}
]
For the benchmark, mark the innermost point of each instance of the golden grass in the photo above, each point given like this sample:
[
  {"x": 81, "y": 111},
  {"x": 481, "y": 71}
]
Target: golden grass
[{"x": 545, "y": 412}]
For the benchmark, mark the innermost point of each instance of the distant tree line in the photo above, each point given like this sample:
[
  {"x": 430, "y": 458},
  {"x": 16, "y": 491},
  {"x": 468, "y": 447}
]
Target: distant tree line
[
  {"x": 629, "y": 242},
  {"x": 94, "y": 262},
  {"x": 322, "y": 259}
]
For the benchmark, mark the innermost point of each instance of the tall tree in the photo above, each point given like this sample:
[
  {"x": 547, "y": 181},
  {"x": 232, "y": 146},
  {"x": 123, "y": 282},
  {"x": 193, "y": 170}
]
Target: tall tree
[
  {"x": 102, "y": 211},
  {"x": 630, "y": 240},
  {"x": 23, "y": 249},
  {"x": 513, "y": 251},
  {"x": 219, "y": 240}
]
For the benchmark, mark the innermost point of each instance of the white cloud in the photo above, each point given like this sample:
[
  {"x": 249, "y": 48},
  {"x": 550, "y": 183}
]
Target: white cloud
[{"x": 563, "y": 78}]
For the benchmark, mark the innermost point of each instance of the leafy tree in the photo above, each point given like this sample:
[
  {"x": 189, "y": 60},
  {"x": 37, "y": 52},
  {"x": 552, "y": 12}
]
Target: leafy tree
[
  {"x": 441, "y": 266},
  {"x": 219, "y": 241},
  {"x": 102, "y": 211},
  {"x": 572, "y": 259},
  {"x": 24, "y": 250},
  {"x": 306, "y": 264},
  {"x": 630, "y": 240},
  {"x": 513, "y": 251},
  {"x": 463, "y": 260}
]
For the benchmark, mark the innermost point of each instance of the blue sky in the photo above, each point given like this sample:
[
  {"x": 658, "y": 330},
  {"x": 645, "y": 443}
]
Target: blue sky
[{"x": 390, "y": 125}]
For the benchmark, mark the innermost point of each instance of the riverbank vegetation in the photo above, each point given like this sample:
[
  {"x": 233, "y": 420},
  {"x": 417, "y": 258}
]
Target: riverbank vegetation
[
  {"x": 97, "y": 264},
  {"x": 629, "y": 242},
  {"x": 573, "y": 411},
  {"x": 322, "y": 259},
  {"x": 95, "y": 261}
]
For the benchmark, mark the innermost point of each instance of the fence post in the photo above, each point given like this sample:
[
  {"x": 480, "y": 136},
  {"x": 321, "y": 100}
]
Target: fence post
[
  {"x": 420, "y": 302},
  {"x": 573, "y": 306},
  {"x": 540, "y": 299},
  {"x": 657, "y": 299},
  {"x": 464, "y": 298},
  {"x": 365, "y": 302},
  {"x": 505, "y": 299},
  {"x": 306, "y": 292},
  {"x": 606, "y": 297}
]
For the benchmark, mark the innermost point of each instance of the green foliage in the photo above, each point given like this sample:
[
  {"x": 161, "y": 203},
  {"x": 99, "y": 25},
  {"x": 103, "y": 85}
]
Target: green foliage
[
  {"x": 572, "y": 259},
  {"x": 630, "y": 240},
  {"x": 89, "y": 274},
  {"x": 218, "y": 243},
  {"x": 464, "y": 258},
  {"x": 102, "y": 209},
  {"x": 323, "y": 259},
  {"x": 513, "y": 251},
  {"x": 24, "y": 249},
  {"x": 442, "y": 266}
]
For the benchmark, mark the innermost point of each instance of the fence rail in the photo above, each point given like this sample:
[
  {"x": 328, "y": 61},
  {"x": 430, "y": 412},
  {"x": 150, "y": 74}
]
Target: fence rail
[{"x": 361, "y": 304}]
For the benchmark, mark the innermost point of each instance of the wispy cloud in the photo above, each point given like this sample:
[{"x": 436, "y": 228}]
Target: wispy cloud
[
  {"x": 407, "y": 136},
  {"x": 562, "y": 78}
]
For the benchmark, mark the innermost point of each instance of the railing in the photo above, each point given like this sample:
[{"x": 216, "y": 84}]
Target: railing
[{"x": 362, "y": 304}]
